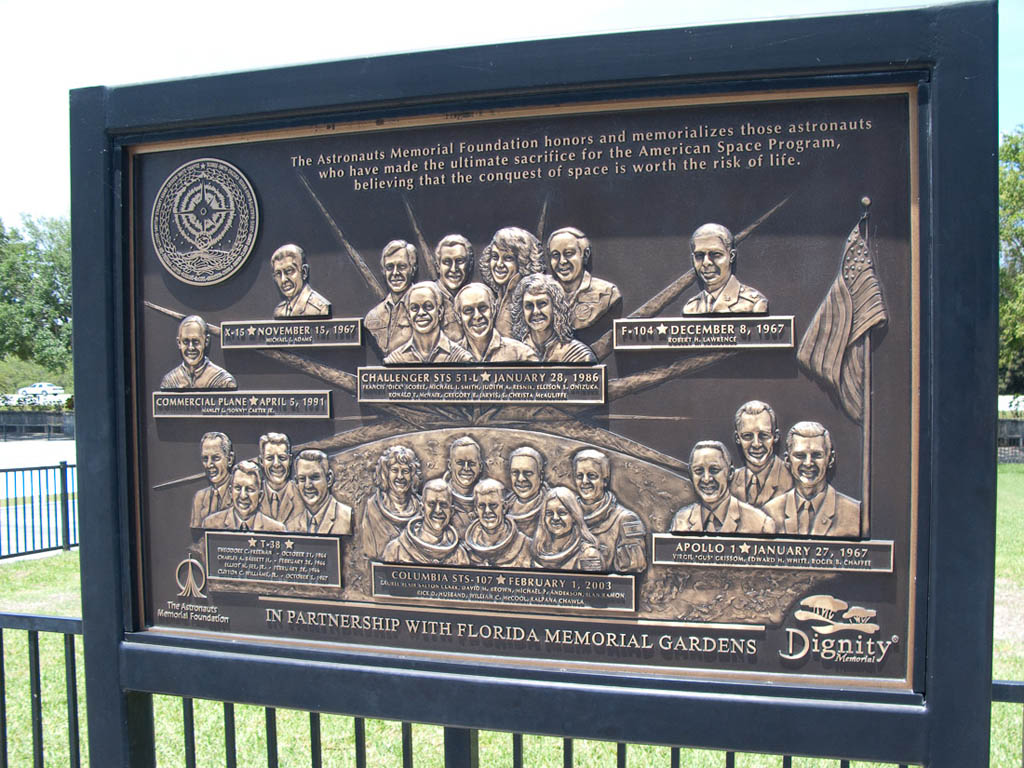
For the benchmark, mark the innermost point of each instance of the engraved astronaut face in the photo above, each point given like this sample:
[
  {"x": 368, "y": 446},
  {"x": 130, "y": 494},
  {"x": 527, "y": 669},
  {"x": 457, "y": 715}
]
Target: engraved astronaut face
[
  {"x": 276, "y": 463},
  {"x": 590, "y": 480},
  {"x": 290, "y": 275},
  {"x": 710, "y": 472},
  {"x": 807, "y": 460},
  {"x": 490, "y": 509},
  {"x": 712, "y": 260},
  {"x": 399, "y": 478},
  {"x": 537, "y": 310},
  {"x": 192, "y": 344},
  {"x": 216, "y": 461},
  {"x": 314, "y": 484},
  {"x": 565, "y": 257},
  {"x": 503, "y": 265},
  {"x": 476, "y": 312},
  {"x": 398, "y": 271},
  {"x": 245, "y": 493},
  {"x": 557, "y": 519},
  {"x": 424, "y": 310},
  {"x": 465, "y": 466},
  {"x": 525, "y": 476},
  {"x": 756, "y": 438},
  {"x": 451, "y": 262},
  {"x": 437, "y": 506}
]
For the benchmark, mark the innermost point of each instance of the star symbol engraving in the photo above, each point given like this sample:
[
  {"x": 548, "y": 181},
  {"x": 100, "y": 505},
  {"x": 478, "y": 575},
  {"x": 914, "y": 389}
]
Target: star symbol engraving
[
  {"x": 252, "y": 542},
  {"x": 485, "y": 376},
  {"x": 744, "y": 548},
  {"x": 253, "y": 400},
  {"x": 289, "y": 544},
  {"x": 500, "y": 579},
  {"x": 251, "y": 330},
  {"x": 662, "y": 329}
]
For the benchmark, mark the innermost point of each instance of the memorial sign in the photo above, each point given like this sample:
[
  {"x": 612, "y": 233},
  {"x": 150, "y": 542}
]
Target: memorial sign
[
  {"x": 573, "y": 427},
  {"x": 619, "y": 396}
]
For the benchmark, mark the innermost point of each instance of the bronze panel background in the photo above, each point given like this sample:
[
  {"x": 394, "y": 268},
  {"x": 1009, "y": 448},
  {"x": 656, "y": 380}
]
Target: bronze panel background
[{"x": 639, "y": 228}]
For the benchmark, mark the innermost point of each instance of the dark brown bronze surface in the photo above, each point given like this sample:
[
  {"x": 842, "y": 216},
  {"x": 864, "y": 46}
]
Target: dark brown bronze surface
[{"x": 556, "y": 422}]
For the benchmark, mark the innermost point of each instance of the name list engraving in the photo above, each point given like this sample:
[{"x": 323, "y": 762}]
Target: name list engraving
[
  {"x": 289, "y": 404},
  {"x": 798, "y": 554},
  {"x": 273, "y": 558},
  {"x": 263, "y": 334},
  {"x": 500, "y": 587},
  {"x": 532, "y": 384},
  {"x": 769, "y": 332}
]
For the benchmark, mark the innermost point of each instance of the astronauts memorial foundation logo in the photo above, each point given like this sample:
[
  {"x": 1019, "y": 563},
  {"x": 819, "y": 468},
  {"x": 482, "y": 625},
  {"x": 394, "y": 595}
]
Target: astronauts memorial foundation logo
[
  {"x": 835, "y": 631},
  {"x": 205, "y": 220}
]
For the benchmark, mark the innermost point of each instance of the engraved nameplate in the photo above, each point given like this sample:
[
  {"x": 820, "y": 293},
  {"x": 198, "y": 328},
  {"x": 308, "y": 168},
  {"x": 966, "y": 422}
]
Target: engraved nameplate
[
  {"x": 463, "y": 384},
  {"x": 263, "y": 334},
  {"x": 801, "y": 554},
  {"x": 549, "y": 589},
  {"x": 273, "y": 558},
  {"x": 263, "y": 404},
  {"x": 721, "y": 332}
]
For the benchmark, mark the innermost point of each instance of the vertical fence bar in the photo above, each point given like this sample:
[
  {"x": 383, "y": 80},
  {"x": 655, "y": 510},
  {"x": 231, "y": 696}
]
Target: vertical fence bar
[
  {"x": 271, "y": 715},
  {"x": 37, "y": 698},
  {"x": 406, "y": 745},
  {"x": 189, "y": 722},
  {"x": 315, "y": 756},
  {"x": 359, "y": 731},
  {"x": 7, "y": 516},
  {"x": 3, "y": 705},
  {"x": 730, "y": 760},
  {"x": 517, "y": 750},
  {"x": 51, "y": 524},
  {"x": 620, "y": 755},
  {"x": 75, "y": 487},
  {"x": 566, "y": 753},
  {"x": 71, "y": 686},
  {"x": 230, "y": 756},
  {"x": 787, "y": 761},
  {"x": 65, "y": 508},
  {"x": 844, "y": 764},
  {"x": 33, "y": 485},
  {"x": 17, "y": 529},
  {"x": 674, "y": 758},
  {"x": 461, "y": 748}
]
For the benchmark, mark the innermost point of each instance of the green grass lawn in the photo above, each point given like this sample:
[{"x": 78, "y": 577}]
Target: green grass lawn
[{"x": 50, "y": 585}]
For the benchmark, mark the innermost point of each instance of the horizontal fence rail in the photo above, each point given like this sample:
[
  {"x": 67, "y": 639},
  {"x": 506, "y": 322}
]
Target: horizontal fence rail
[
  {"x": 38, "y": 509},
  {"x": 25, "y": 667}
]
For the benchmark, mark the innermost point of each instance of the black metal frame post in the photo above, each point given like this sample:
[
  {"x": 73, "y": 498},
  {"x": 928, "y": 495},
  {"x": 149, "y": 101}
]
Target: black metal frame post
[
  {"x": 65, "y": 511},
  {"x": 949, "y": 51}
]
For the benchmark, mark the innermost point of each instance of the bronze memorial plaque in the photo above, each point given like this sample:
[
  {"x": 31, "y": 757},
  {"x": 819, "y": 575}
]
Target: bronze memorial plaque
[{"x": 623, "y": 386}]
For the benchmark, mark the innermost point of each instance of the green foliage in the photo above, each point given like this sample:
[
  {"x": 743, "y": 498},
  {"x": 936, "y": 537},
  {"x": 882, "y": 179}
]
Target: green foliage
[
  {"x": 1011, "y": 263},
  {"x": 35, "y": 292},
  {"x": 16, "y": 373}
]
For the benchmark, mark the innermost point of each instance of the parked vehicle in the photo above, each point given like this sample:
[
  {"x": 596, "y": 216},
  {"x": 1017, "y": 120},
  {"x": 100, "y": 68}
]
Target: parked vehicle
[{"x": 41, "y": 389}]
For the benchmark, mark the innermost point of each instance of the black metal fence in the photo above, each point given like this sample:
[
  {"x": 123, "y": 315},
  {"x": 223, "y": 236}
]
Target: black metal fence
[
  {"x": 49, "y": 734},
  {"x": 38, "y": 509}
]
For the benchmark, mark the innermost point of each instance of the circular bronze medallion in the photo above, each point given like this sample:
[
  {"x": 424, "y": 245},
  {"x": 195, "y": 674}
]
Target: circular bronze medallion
[{"x": 205, "y": 221}]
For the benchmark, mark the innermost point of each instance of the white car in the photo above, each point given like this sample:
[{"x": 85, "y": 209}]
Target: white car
[{"x": 40, "y": 389}]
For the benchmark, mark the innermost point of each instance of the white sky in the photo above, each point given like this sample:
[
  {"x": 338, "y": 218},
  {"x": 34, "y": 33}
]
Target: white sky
[{"x": 50, "y": 47}]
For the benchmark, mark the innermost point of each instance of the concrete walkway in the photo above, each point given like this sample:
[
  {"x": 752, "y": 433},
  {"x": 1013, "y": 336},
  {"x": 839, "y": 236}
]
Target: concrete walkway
[{"x": 35, "y": 453}]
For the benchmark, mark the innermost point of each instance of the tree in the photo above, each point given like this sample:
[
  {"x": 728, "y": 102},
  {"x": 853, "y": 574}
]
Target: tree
[
  {"x": 35, "y": 292},
  {"x": 1011, "y": 263}
]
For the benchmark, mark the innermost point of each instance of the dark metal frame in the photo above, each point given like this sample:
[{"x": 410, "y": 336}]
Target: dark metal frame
[{"x": 949, "y": 51}]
